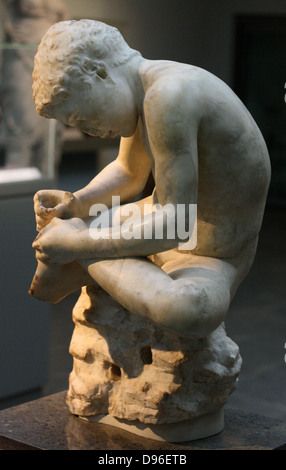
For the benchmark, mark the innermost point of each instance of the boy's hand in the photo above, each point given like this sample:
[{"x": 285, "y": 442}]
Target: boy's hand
[
  {"x": 53, "y": 203},
  {"x": 56, "y": 243}
]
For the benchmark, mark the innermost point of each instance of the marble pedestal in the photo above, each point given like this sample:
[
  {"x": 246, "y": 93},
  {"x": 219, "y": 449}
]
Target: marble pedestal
[{"x": 129, "y": 373}]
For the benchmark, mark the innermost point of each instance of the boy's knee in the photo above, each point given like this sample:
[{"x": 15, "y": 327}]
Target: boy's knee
[{"x": 192, "y": 308}]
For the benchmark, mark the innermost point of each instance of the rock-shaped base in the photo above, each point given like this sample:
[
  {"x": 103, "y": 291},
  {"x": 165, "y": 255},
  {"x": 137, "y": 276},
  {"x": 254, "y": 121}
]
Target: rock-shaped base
[{"x": 128, "y": 369}]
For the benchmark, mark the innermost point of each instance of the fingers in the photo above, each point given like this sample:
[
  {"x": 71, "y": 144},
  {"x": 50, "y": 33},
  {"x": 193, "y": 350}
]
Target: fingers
[
  {"x": 44, "y": 208},
  {"x": 45, "y": 215},
  {"x": 44, "y": 200},
  {"x": 36, "y": 244},
  {"x": 41, "y": 244},
  {"x": 53, "y": 219},
  {"x": 51, "y": 244},
  {"x": 41, "y": 238},
  {"x": 56, "y": 221},
  {"x": 52, "y": 203},
  {"x": 74, "y": 223},
  {"x": 45, "y": 219},
  {"x": 50, "y": 198},
  {"x": 77, "y": 223}
]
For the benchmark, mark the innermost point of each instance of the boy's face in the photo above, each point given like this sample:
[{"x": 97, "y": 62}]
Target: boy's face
[{"x": 99, "y": 111}]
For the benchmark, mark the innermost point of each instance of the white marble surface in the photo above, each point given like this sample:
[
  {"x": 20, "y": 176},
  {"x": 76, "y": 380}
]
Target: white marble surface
[{"x": 202, "y": 146}]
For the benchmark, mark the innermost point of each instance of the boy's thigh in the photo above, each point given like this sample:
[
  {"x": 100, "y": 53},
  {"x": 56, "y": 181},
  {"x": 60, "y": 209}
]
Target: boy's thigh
[{"x": 197, "y": 268}]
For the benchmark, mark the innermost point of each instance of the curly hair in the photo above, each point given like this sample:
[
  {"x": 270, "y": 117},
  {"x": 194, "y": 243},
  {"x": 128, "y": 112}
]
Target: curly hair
[{"x": 75, "y": 51}]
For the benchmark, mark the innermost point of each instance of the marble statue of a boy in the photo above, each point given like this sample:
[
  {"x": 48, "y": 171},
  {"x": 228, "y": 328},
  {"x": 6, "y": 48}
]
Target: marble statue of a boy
[{"x": 202, "y": 146}]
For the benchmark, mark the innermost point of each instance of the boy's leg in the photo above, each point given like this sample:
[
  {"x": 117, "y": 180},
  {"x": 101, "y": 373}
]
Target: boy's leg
[
  {"x": 189, "y": 294},
  {"x": 53, "y": 282}
]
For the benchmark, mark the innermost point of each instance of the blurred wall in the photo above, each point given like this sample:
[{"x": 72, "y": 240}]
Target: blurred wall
[
  {"x": 214, "y": 49},
  {"x": 159, "y": 29},
  {"x": 195, "y": 31}
]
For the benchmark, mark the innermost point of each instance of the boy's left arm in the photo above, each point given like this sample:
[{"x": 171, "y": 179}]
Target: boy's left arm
[{"x": 173, "y": 141}]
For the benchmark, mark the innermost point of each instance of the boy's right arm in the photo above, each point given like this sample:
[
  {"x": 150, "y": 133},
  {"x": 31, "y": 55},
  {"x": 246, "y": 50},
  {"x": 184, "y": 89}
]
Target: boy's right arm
[{"x": 124, "y": 177}]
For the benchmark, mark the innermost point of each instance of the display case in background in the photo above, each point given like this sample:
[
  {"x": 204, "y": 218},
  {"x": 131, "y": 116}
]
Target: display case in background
[
  {"x": 19, "y": 180},
  {"x": 28, "y": 149},
  {"x": 29, "y": 143}
]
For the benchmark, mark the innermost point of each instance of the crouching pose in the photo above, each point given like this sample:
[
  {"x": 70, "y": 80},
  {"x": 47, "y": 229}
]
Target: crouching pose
[{"x": 204, "y": 150}]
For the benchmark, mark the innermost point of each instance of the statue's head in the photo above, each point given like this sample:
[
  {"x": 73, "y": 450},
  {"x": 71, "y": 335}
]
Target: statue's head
[{"x": 74, "y": 54}]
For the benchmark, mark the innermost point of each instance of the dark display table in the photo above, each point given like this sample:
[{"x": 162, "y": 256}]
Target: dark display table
[{"x": 46, "y": 424}]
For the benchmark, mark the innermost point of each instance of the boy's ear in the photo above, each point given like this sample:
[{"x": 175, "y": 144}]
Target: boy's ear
[
  {"x": 92, "y": 67},
  {"x": 101, "y": 72}
]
